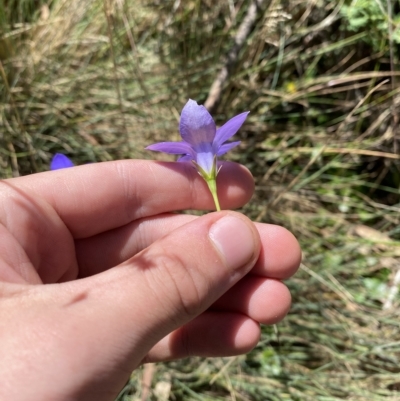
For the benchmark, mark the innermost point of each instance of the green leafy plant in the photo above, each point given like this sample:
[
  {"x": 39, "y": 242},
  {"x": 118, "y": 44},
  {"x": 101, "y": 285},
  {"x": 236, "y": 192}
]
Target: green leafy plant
[{"x": 372, "y": 16}]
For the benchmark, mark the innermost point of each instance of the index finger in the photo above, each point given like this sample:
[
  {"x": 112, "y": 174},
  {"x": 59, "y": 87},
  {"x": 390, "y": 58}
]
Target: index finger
[{"x": 98, "y": 197}]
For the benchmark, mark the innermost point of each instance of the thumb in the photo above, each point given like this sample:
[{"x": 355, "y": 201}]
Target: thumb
[{"x": 177, "y": 277}]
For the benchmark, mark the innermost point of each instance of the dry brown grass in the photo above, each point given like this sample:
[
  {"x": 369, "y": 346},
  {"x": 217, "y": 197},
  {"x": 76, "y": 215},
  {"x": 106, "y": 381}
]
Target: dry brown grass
[{"x": 99, "y": 80}]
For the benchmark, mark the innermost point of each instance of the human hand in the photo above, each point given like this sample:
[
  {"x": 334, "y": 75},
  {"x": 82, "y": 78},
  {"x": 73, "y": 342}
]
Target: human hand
[{"x": 98, "y": 275}]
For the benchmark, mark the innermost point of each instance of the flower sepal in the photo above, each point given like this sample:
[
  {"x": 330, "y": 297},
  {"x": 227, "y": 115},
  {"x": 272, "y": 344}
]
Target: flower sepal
[{"x": 211, "y": 180}]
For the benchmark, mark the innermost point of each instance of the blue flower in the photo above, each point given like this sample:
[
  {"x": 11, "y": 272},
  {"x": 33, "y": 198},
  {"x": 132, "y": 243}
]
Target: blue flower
[
  {"x": 60, "y": 161},
  {"x": 202, "y": 141}
]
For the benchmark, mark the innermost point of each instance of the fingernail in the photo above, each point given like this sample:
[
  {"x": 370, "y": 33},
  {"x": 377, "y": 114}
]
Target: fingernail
[{"x": 234, "y": 240}]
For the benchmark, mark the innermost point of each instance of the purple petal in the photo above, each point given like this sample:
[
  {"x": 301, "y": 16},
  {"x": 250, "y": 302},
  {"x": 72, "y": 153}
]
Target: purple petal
[
  {"x": 60, "y": 161},
  {"x": 172, "y": 148},
  {"x": 186, "y": 158},
  {"x": 229, "y": 129},
  {"x": 227, "y": 147},
  {"x": 205, "y": 161},
  {"x": 196, "y": 124},
  {"x": 205, "y": 157}
]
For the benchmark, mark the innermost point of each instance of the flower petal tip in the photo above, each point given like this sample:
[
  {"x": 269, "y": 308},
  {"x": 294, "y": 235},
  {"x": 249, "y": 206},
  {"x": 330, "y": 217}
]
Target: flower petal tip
[{"x": 60, "y": 161}]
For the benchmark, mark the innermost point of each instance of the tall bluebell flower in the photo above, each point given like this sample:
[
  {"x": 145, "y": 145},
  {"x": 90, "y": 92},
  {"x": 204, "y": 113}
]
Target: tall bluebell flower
[
  {"x": 202, "y": 142},
  {"x": 60, "y": 161}
]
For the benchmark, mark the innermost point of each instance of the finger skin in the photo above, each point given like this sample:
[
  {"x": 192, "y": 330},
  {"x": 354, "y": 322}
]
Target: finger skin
[
  {"x": 211, "y": 334},
  {"x": 279, "y": 258},
  {"x": 280, "y": 254},
  {"x": 35, "y": 242},
  {"x": 94, "y": 198},
  {"x": 264, "y": 300},
  {"x": 231, "y": 326}
]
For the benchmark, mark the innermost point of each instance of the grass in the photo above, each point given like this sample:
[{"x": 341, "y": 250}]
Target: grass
[{"x": 100, "y": 80}]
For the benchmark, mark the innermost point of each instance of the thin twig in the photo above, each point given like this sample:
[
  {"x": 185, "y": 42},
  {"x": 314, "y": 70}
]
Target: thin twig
[
  {"x": 148, "y": 374},
  {"x": 241, "y": 36}
]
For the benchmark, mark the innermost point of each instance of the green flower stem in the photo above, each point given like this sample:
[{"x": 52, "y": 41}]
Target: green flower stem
[
  {"x": 212, "y": 185},
  {"x": 211, "y": 180}
]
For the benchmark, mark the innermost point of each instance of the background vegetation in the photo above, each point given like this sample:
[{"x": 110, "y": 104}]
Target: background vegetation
[{"x": 100, "y": 79}]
